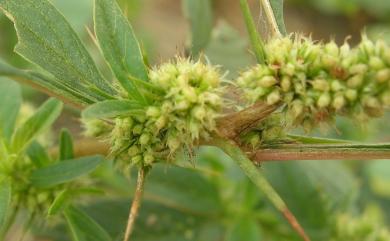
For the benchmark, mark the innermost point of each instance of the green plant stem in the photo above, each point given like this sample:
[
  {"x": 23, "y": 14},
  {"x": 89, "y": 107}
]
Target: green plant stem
[
  {"x": 271, "y": 18},
  {"x": 262, "y": 183},
  {"x": 290, "y": 152},
  {"x": 136, "y": 203},
  {"x": 256, "y": 41}
]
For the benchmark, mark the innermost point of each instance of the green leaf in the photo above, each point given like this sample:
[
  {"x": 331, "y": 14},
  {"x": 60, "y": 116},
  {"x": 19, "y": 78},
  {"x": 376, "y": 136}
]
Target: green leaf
[
  {"x": 47, "y": 39},
  {"x": 59, "y": 203},
  {"x": 171, "y": 188},
  {"x": 10, "y": 101},
  {"x": 65, "y": 171},
  {"x": 245, "y": 229},
  {"x": 156, "y": 222},
  {"x": 120, "y": 46},
  {"x": 277, "y": 7},
  {"x": 256, "y": 41},
  {"x": 83, "y": 227},
  {"x": 48, "y": 83},
  {"x": 5, "y": 202},
  {"x": 66, "y": 145},
  {"x": 200, "y": 15},
  {"x": 38, "y": 154},
  {"x": 43, "y": 118},
  {"x": 328, "y": 186},
  {"x": 113, "y": 108}
]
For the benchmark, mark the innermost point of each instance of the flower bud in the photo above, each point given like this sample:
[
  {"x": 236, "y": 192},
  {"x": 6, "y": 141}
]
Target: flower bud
[
  {"x": 133, "y": 151},
  {"x": 324, "y": 100},
  {"x": 320, "y": 84},
  {"x": 136, "y": 159},
  {"x": 383, "y": 75},
  {"x": 153, "y": 111},
  {"x": 338, "y": 102},
  {"x": 148, "y": 159},
  {"x": 161, "y": 122},
  {"x": 285, "y": 84},
  {"x": 358, "y": 69},
  {"x": 289, "y": 69},
  {"x": 137, "y": 130},
  {"x": 267, "y": 81},
  {"x": 173, "y": 143},
  {"x": 296, "y": 108},
  {"x": 355, "y": 81},
  {"x": 376, "y": 63},
  {"x": 351, "y": 94},
  {"x": 336, "y": 86},
  {"x": 144, "y": 139},
  {"x": 273, "y": 97},
  {"x": 254, "y": 140},
  {"x": 182, "y": 105},
  {"x": 332, "y": 49},
  {"x": 190, "y": 94},
  {"x": 198, "y": 112}
]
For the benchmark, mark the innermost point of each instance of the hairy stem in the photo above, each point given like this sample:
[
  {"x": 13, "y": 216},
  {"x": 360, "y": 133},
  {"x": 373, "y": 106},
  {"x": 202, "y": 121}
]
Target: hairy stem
[
  {"x": 271, "y": 17},
  {"x": 262, "y": 183},
  {"x": 136, "y": 203}
]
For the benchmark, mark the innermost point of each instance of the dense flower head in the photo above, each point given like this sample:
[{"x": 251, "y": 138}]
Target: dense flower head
[
  {"x": 316, "y": 81},
  {"x": 182, "y": 113}
]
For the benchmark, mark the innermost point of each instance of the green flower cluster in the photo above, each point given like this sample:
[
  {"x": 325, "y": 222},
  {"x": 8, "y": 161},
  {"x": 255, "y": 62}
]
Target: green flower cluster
[
  {"x": 25, "y": 195},
  {"x": 269, "y": 131},
  {"x": 367, "y": 227},
  {"x": 316, "y": 81},
  {"x": 183, "y": 112}
]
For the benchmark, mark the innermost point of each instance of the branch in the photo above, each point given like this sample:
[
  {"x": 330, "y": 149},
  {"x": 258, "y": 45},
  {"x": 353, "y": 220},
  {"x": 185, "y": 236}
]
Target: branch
[
  {"x": 321, "y": 152},
  {"x": 87, "y": 147},
  {"x": 136, "y": 203}
]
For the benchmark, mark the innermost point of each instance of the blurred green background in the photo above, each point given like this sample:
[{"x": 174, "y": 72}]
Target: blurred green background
[{"x": 208, "y": 198}]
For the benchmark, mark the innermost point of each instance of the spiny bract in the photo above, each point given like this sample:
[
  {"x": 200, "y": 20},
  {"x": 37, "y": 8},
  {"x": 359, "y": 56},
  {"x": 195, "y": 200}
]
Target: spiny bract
[
  {"x": 182, "y": 113},
  {"x": 316, "y": 81}
]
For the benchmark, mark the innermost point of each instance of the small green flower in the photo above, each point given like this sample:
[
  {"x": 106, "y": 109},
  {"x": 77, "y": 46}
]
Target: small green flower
[
  {"x": 315, "y": 81},
  {"x": 183, "y": 113}
]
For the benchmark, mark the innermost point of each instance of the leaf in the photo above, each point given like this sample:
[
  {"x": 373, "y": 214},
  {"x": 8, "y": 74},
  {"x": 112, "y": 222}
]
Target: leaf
[
  {"x": 66, "y": 145},
  {"x": 245, "y": 229},
  {"x": 277, "y": 7},
  {"x": 228, "y": 49},
  {"x": 5, "y": 202},
  {"x": 182, "y": 189},
  {"x": 10, "y": 101},
  {"x": 47, "y": 39},
  {"x": 156, "y": 222},
  {"x": 47, "y": 83},
  {"x": 63, "y": 172},
  {"x": 83, "y": 227},
  {"x": 43, "y": 118},
  {"x": 120, "y": 46},
  {"x": 328, "y": 186},
  {"x": 200, "y": 15},
  {"x": 59, "y": 203},
  {"x": 261, "y": 183},
  {"x": 256, "y": 41},
  {"x": 38, "y": 154},
  {"x": 113, "y": 108}
]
